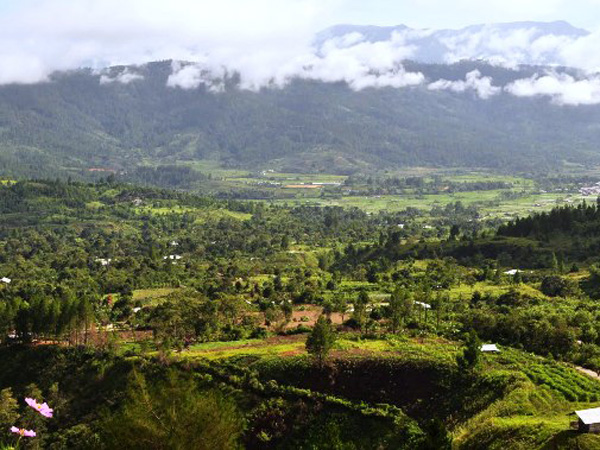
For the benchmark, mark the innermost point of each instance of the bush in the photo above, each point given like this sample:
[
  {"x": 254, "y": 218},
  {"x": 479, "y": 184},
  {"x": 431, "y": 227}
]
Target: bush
[
  {"x": 173, "y": 414},
  {"x": 259, "y": 333}
]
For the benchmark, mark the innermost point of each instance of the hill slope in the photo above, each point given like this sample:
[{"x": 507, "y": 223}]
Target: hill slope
[{"x": 75, "y": 123}]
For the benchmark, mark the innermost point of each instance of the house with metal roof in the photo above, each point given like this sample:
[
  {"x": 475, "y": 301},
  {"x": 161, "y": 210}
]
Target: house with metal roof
[
  {"x": 490, "y": 348},
  {"x": 589, "y": 420}
]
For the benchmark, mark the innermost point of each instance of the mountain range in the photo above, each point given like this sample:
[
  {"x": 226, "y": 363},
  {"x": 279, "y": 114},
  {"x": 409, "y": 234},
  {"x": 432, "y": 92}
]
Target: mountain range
[{"x": 125, "y": 117}]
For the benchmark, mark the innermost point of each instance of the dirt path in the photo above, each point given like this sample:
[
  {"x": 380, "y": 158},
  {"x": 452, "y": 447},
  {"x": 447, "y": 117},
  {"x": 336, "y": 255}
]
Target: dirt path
[{"x": 588, "y": 372}]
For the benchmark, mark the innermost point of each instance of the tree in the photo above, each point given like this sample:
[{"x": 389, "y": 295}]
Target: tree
[
  {"x": 321, "y": 339},
  {"x": 399, "y": 308},
  {"x": 471, "y": 353},
  {"x": 556, "y": 286},
  {"x": 360, "y": 309},
  {"x": 340, "y": 304},
  {"x": 438, "y": 437},
  {"x": 454, "y": 232},
  {"x": 173, "y": 414}
]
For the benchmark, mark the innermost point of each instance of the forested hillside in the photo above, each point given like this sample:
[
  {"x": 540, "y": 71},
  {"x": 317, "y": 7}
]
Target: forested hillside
[{"x": 75, "y": 123}]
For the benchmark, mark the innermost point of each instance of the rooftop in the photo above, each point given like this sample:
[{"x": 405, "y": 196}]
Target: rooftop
[
  {"x": 489, "y": 348},
  {"x": 589, "y": 416}
]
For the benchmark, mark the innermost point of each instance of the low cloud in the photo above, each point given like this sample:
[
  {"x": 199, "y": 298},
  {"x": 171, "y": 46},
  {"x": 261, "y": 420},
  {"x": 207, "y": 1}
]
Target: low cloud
[
  {"x": 124, "y": 77},
  {"x": 269, "y": 43},
  {"x": 346, "y": 59},
  {"x": 191, "y": 76},
  {"x": 562, "y": 89},
  {"x": 482, "y": 86}
]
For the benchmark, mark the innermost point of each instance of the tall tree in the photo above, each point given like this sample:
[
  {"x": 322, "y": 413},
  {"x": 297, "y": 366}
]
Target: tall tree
[{"x": 321, "y": 339}]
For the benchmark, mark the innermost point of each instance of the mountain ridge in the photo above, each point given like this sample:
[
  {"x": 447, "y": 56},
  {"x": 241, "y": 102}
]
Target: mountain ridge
[{"x": 74, "y": 123}]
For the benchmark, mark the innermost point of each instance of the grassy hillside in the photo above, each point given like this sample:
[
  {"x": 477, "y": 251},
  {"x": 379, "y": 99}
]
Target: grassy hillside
[{"x": 388, "y": 392}]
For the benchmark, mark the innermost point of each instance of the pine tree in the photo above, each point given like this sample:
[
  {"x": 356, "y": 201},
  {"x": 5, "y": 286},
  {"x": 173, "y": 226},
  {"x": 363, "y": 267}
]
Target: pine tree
[
  {"x": 321, "y": 339},
  {"x": 471, "y": 353}
]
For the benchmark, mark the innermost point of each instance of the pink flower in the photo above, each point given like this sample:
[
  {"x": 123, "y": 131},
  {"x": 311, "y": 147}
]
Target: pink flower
[
  {"x": 22, "y": 431},
  {"x": 42, "y": 408}
]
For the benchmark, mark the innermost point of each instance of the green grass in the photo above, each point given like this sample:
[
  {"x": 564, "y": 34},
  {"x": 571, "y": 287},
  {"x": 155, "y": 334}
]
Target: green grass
[
  {"x": 215, "y": 169},
  {"x": 217, "y": 214},
  {"x": 94, "y": 205},
  {"x": 152, "y": 296},
  {"x": 245, "y": 348},
  {"x": 465, "y": 291},
  {"x": 202, "y": 214},
  {"x": 426, "y": 348},
  {"x": 483, "y": 199},
  {"x": 534, "y": 412}
]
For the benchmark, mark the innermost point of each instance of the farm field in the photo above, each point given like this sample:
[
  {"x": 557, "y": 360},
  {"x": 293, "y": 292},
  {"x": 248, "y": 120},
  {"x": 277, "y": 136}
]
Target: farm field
[{"x": 492, "y": 204}]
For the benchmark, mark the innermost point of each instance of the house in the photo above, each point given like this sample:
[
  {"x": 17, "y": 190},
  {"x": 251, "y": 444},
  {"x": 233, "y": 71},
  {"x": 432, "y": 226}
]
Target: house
[
  {"x": 512, "y": 272},
  {"x": 489, "y": 348},
  {"x": 174, "y": 257},
  {"x": 103, "y": 261},
  {"x": 174, "y": 243},
  {"x": 589, "y": 420},
  {"x": 5, "y": 280},
  {"x": 423, "y": 305}
]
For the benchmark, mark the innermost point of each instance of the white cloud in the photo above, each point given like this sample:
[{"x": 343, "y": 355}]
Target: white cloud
[
  {"x": 562, "y": 89},
  {"x": 361, "y": 66},
  {"x": 124, "y": 77},
  {"x": 190, "y": 76},
  {"x": 43, "y": 36},
  {"x": 482, "y": 86},
  {"x": 268, "y": 43}
]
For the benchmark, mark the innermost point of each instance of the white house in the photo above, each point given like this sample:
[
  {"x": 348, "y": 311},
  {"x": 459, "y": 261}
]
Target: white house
[
  {"x": 589, "y": 420},
  {"x": 423, "y": 305},
  {"x": 490, "y": 348},
  {"x": 512, "y": 272},
  {"x": 5, "y": 280},
  {"x": 172, "y": 257},
  {"x": 103, "y": 261}
]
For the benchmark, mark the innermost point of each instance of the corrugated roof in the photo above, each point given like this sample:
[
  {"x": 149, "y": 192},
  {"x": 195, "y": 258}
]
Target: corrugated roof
[
  {"x": 589, "y": 416},
  {"x": 489, "y": 348}
]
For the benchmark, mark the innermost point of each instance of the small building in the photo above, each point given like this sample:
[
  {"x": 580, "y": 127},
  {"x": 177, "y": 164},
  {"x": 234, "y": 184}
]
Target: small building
[
  {"x": 589, "y": 420},
  {"x": 172, "y": 257},
  {"x": 5, "y": 280},
  {"x": 103, "y": 261},
  {"x": 490, "y": 348},
  {"x": 423, "y": 305},
  {"x": 512, "y": 272}
]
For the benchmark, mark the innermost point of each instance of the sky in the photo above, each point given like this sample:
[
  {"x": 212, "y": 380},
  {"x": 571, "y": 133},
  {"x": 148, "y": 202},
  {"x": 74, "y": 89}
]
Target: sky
[
  {"x": 415, "y": 13},
  {"x": 269, "y": 42},
  {"x": 461, "y": 13}
]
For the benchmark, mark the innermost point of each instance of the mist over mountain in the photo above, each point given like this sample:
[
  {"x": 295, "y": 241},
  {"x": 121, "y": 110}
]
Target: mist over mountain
[
  {"x": 460, "y": 115},
  {"x": 530, "y": 43}
]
